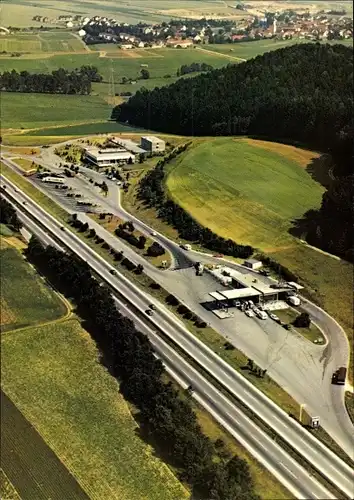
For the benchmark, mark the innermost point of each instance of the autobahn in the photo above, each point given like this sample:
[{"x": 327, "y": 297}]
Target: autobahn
[
  {"x": 266, "y": 450},
  {"x": 325, "y": 461},
  {"x": 302, "y": 368}
]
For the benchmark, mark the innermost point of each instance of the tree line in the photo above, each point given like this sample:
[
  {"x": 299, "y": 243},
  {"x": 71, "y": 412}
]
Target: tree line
[
  {"x": 211, "y": 473},
  {"x": 301, "y": 94},
  {"x": 61, "y": 81},
  {"x": 8, "y": 215},
  {"x": 193, "y": 68},
  {"x": 152, "y": 191}
]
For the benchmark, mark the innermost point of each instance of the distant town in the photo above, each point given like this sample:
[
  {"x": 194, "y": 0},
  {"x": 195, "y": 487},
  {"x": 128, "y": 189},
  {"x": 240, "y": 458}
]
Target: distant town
[{"x": 288, "y": 24}]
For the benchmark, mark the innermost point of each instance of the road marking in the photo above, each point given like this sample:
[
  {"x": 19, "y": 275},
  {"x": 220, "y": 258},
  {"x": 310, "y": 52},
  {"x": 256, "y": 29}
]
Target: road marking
[{"x": 290, "y": 472}]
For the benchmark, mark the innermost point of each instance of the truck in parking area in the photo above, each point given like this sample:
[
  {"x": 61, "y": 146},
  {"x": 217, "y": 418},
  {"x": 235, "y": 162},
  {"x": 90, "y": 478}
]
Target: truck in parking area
[
  {"x": 294, "y": 300},
  {"x": 339, "y": 376},
  {"x": 53, "y": 180},
  {"x": 199, "y": 268}
]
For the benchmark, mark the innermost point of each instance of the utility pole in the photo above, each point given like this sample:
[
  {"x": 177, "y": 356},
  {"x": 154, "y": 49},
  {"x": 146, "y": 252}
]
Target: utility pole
[{"x": 111, "y": 91}]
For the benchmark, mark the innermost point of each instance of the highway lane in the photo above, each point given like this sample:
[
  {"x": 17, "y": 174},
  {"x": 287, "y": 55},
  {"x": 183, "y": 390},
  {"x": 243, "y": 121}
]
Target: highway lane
[
  {"x": 260, "y": 445},
  {"x": 303, "y": 369},
  {"x": 324, "y": 460}
]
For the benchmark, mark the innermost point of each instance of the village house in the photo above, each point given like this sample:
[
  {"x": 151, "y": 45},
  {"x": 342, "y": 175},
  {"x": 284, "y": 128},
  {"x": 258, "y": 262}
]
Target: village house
[{"x": 179, "y": 43}]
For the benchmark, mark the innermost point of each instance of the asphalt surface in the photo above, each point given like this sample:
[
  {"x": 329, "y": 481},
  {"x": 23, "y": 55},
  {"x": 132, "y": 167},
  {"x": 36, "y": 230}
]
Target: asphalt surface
[
  {"x": 321, "y": 458},
  {"x": 266, "y": 450},
  {"x": 302, "y": 368}
]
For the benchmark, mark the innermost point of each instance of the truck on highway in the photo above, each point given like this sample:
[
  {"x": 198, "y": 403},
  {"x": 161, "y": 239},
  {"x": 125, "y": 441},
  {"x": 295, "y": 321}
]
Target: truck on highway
[{"x": 339, "y": 376}]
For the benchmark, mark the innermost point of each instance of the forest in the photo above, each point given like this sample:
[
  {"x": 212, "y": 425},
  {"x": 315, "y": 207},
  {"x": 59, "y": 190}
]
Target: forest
[
  {"x": 193, "y": 68},
  {"x": 60, "y": 81},
  {"x": 164, "y": 415},
  {"x": 302, "y": 94},
  {"x": 8, "y": 215}
]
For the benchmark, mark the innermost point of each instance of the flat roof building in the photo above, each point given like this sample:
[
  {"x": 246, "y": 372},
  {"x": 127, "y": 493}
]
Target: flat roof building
[
  {"x": 129, "y": 145},
  {"x": 245, "y": 286},
  {"x": 253, "y": 263},
  {"x": 152, "y": 144},
  {"x": 108, "y": 157}
]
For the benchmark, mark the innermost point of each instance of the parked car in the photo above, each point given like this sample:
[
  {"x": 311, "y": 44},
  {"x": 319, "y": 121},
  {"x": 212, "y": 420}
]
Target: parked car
[
  {"x": 149, "y": 312},
  {"x": 249, "y": 313},
  {"x": 113, "y": 271},
  {"x": 264, "y": 272},
  {"x": 152, "y": 306},
  {"x": 62, "y": 228},
  {"x": 237, "y": 303},
  {"x": 287, "y": 327},
  {"x": 273, "y": 316}
]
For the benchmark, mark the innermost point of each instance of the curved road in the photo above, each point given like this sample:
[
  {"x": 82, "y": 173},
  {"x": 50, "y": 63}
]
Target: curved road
[
  {"x": 300, "y": 367},
  {"x": 267, "y": 451}
]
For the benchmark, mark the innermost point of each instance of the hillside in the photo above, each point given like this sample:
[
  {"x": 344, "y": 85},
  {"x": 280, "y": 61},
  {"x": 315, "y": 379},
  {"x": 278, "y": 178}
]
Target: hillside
[
  {"x": 301, "y": 94},
  {"x": 243, "y": 190}
]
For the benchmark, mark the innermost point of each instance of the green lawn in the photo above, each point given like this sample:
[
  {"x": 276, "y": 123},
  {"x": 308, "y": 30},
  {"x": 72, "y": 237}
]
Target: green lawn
[
  {"x": 248, "y": 50},
  {"x": 244, "y": 191},
  {"x": 76, "y": 407},
  {"x": 25, "y": 298},
  {"x": 80, "y": 130},
  {"x": 160, "y": 62},
  {"x": 30, "y": 111},
  {"x": 56, "y": 41},
  {"x": 5, "y": 231},
  {"x": 43, "y": 110}
]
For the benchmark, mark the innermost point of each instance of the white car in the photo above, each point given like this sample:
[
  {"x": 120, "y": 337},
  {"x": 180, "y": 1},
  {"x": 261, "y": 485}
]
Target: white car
[
  {"x": 249, "y": 313},
  {"x": 273, "y": 316},
  {"x": 154, "y": 233}
]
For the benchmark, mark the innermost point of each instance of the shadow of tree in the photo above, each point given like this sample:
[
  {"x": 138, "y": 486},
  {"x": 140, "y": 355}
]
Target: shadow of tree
[{"x": 321, "y": 169}]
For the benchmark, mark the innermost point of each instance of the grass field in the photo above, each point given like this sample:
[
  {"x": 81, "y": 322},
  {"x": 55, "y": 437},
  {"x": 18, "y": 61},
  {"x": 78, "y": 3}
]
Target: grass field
[
  {"x": 25, "y": 299},
  {"x": 52, "y": 42},
  {"x": 43, "y": 110},
  {"x": 248, "y": 50},
  {"x": 68, "y": 393},
  {"x": 349, "y": 403},
  {"x": 7, "y": 491},
  {"x": 311, "y": 333},
  {"x": 160, "y": 62},
  {"x": 243, "y": 190},
  {"x": 29, "y": 463},
  {"x": 20, "y": 12},
  {"x": 25, "y": 164},
  {"x": 79, "y": 130},
  {"x": 5, "y": 231}
]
